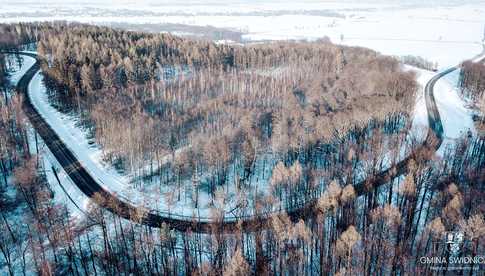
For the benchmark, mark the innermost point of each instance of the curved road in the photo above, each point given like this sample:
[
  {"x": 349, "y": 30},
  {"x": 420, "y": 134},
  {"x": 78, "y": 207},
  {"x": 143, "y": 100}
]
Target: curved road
[{"x": 89, "y": 186}]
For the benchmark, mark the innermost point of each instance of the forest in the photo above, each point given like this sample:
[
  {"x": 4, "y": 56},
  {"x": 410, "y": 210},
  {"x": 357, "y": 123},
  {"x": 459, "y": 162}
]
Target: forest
[
  {"x": 472, "y": 82},
  {"x": 266, "y": 127},
  {"x": 232, "y": 111}
]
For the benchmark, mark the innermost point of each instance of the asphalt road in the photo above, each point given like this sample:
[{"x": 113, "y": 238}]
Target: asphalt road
[{"x": 90, "y": 186}]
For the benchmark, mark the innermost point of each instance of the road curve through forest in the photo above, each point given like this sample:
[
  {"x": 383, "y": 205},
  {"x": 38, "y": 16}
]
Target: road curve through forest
[{"x": 90, "y": 186}]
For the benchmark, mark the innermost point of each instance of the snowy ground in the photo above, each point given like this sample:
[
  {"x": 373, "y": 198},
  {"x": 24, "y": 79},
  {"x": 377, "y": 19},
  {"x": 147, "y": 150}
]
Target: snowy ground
[
  {"x": 17, "y": 68},
  {"x": 454, "y": 111},
  {"x": 65, "y": 192},
  {"x": 445, "y": 32},
  {"x": 16, "y": 71},
  {"x": 419, "y": 126}
]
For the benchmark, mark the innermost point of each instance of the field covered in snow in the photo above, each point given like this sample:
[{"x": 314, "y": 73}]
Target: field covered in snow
[{"x": 446, "y": 33}]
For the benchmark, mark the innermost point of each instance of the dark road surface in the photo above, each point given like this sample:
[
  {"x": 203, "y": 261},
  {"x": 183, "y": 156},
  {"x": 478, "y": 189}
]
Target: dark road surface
[{"x": 90, "y": 186}]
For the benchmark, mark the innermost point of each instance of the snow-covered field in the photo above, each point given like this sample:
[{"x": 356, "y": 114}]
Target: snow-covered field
[{"x": 445, "y": 32}]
